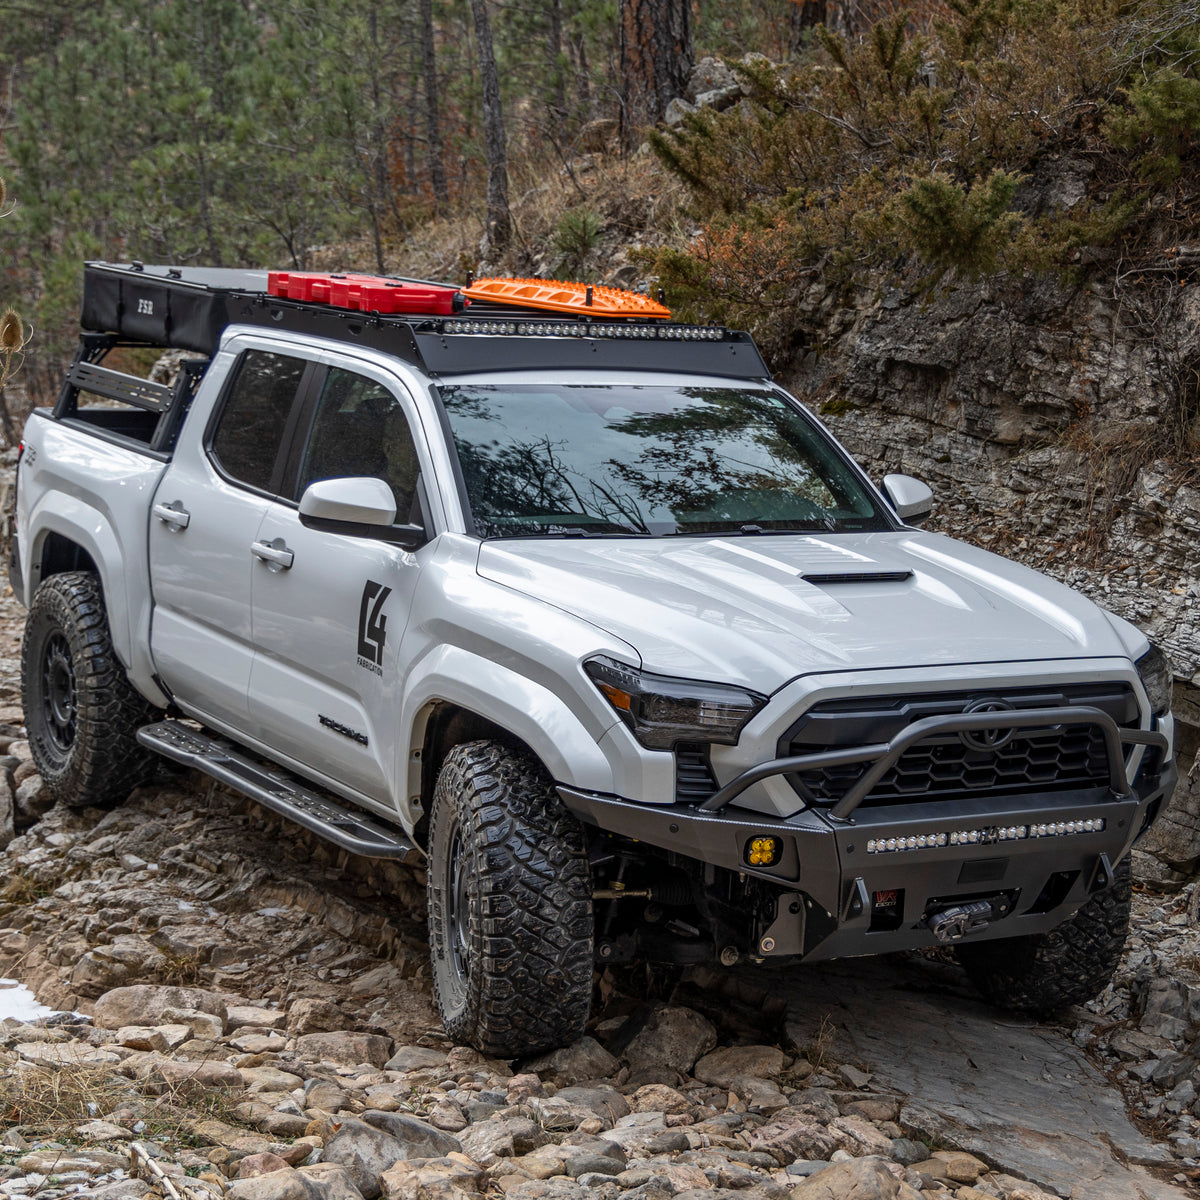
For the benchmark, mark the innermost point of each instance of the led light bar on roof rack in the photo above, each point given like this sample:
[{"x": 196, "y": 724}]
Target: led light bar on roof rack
[
  {"x": 588, "y": 329},
  {"x": 578, "y": 299}
]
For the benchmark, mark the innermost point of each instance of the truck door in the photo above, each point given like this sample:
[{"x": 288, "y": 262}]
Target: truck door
[
  {"x": 330, "y": 609},
  {"x": 205, "y": 518}
]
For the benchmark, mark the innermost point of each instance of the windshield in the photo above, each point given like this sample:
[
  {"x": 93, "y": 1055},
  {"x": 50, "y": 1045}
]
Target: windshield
[{"x": 559, "y": 459}]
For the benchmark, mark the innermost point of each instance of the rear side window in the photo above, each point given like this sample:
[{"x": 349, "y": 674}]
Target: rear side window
[{"x": 254, "y": 419}]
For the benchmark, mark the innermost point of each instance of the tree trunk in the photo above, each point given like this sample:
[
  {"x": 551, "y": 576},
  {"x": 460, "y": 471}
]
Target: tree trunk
[
  {"x": 554, "y": 49},
  {"x": 499, "y": 224},
  {"x": 803, "y": 16},
  {"x": 656, "y": 60},
  {"x": 433, "y": 127}
]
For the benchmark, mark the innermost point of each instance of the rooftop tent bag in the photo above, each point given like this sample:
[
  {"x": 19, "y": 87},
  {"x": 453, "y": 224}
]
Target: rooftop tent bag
[{"x": 185, "y": 308}]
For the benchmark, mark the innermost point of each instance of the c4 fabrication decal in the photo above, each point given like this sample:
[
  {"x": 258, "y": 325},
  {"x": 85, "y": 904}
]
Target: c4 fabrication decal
[{"x": 372, "y": 626}]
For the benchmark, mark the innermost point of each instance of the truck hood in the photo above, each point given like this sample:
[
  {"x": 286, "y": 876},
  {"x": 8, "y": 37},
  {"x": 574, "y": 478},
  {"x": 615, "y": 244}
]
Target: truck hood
[{"x": 741, "y": 610}]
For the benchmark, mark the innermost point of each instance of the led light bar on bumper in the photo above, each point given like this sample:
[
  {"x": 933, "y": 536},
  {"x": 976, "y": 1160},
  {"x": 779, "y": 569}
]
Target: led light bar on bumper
[
  {"x": 986, "y": 836},
  {"x": 661, "y": 710}
]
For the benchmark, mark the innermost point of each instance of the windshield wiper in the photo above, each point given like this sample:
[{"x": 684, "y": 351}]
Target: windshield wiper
[
  {"x": 575, "y": 524},
  {"x": 817, "y": 525}
]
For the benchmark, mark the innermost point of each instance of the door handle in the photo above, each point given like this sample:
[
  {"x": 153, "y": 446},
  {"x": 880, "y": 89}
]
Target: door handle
[
  {"x": 173, "y": 514},
  {"x": 279, "y": 556}
]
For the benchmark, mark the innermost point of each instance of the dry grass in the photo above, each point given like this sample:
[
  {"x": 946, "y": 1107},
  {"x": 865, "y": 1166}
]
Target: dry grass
[
  {"x": 52, "y": 1101},
  {"x": 57, "y": 1098},
  {"x": 179, "y": 970},
  {"x": 21, "y": 889},
  {"x": 633, "y": 199},
  {"x": 820, "y": 1050}
]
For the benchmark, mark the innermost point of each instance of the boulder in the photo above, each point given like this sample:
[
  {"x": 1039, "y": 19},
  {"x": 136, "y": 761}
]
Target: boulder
[
  {"x": 202, "y": 1024},
  {"x": 59, "y": 1162},
  {"x": 501, "y": 1138},
  {"x": 674, "y": 1038},
  {"x": 723, "y": 1066},
  {"x": 198, "y": 1075},
  {"x": 346, "y": 1047},
  {"x": 857, "y": 1179},
  {"x": 582, "y": 1060},
  {"x": 322, "y": 1181},
  {"x": 142, "y": 1037},
  {"x": 260, "y": 1018},
  {"x": 793, "y": 1134},
  {"x": 313, "y": 1016},
  {"x": 368, "y": 1147},
  {"x": 143, "y": 1004},
  {"x": 432, "y": 1179},
  {"x": 606, "y": 1102},
  {"x": 414, "y": 1058},
  {"x": 657, "y": 1097},
  {"x": 261, "y": 1164}
]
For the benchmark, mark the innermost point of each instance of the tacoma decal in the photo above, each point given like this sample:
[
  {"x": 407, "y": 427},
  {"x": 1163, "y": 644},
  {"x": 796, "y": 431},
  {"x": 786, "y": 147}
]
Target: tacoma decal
[
  {"x": 372, "y": 626},
  {"x": 344, "y": 730}
]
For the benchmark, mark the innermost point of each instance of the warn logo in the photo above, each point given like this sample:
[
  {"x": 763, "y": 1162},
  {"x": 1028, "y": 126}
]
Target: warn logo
[{"x": 372, "y": 626}]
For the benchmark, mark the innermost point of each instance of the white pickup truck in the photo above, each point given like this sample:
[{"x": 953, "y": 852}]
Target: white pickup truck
[{"x": 580, "y": 606}]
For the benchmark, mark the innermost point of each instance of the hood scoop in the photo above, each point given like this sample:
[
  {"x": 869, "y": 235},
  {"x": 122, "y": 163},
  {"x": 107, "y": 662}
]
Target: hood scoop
[{"x": 823, "y": 579}]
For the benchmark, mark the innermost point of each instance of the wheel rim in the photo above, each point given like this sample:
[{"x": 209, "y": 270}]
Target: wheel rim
[
  {"x": 457, "y": 905},
  {"x": 58, "y": 691}
]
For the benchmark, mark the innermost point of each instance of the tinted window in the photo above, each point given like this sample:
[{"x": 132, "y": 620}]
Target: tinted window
[
  {"x": 256, "y": 410},
  {"x": 360, "y": 429},
  {"x": 652, "y": 460}
]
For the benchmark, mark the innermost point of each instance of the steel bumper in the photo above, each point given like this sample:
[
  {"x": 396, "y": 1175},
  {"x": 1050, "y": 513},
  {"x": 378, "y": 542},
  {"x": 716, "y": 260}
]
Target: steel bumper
[{"x": 832, "y": 872}]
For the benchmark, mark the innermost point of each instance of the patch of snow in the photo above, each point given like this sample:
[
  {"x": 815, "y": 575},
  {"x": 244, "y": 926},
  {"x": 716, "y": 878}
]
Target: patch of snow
[{"x": 17, "y": 1002}]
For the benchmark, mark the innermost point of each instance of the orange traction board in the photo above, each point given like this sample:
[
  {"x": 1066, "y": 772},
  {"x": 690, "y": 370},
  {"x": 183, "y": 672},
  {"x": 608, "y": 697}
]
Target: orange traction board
[{"x": 579, "y": 299}]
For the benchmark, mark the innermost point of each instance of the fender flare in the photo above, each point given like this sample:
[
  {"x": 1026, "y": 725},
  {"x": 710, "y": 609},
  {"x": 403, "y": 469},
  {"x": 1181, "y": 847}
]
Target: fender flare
[
  {"x": 87, "y": 527},
  {"x": 566, "y": 745}
]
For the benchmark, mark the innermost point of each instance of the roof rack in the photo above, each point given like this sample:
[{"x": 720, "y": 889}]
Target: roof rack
[{"x": 490, "y": 325}]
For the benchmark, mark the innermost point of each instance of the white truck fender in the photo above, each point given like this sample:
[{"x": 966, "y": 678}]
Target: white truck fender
[
  {"x": 61, "y": 513},
  {"x": 569, "y": 750}
]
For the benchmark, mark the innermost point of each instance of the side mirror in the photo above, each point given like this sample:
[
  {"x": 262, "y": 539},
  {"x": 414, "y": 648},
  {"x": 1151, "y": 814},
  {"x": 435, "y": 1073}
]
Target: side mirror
[
  {"x": 357, "y": 506},
  {"x": 912, "y": 499}
]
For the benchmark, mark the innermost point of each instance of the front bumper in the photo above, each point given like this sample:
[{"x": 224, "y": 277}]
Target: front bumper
[{"x": 842, "y": 889}]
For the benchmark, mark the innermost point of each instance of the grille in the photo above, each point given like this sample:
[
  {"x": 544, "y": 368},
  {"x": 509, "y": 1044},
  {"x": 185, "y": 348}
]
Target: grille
[
  {"x": 1065, "y": 758},
  {"x": 694, "y": 779}
]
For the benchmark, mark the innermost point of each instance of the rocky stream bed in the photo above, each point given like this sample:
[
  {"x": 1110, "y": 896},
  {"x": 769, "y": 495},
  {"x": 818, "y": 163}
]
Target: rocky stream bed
[{"x": 246, "y": 1011}]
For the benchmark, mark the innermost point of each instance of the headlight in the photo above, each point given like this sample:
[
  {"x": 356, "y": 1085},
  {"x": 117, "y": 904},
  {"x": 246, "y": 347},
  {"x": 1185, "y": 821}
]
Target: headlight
[
  {"x": 662, "y": 711},
  {"x": 1157, "y": 678}
]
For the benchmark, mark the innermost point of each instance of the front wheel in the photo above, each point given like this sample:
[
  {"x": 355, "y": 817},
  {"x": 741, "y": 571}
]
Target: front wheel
[
  {"x": 1043, "y": 972},
  {"x": 510, "y": 905},
  {"x": 81, "y": 712}
]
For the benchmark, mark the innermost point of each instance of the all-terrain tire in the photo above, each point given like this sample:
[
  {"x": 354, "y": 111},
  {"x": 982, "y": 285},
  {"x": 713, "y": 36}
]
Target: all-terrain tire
[
  {"x": 81, "y": 712},
  {"x": 1045, "y": 972},
  {"x": 510, "y": 905}
]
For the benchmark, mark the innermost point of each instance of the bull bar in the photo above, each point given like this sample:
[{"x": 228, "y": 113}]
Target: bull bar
[{"x": 884, "y": 755}]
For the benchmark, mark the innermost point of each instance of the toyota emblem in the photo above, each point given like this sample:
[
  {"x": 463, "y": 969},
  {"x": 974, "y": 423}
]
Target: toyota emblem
[{"x": 987, "y": 741}]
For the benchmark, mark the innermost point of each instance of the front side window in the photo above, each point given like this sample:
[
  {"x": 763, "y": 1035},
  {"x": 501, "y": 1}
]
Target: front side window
[
  {"x": 252, "y": 424},
  {"x": 359, "y": 428},
  {"x": 657, "y": 460}
]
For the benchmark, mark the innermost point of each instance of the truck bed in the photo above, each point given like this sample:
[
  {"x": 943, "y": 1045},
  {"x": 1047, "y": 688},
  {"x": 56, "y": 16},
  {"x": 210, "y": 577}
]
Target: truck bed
[{"x": 133, "y": 428}]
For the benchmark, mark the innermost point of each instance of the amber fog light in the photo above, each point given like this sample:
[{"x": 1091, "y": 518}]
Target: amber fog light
[{"x": 763, "y": 851}]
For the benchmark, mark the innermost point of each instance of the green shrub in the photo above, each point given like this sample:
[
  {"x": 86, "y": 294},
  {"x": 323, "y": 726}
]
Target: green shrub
[{"x": 577, "y": 235}]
